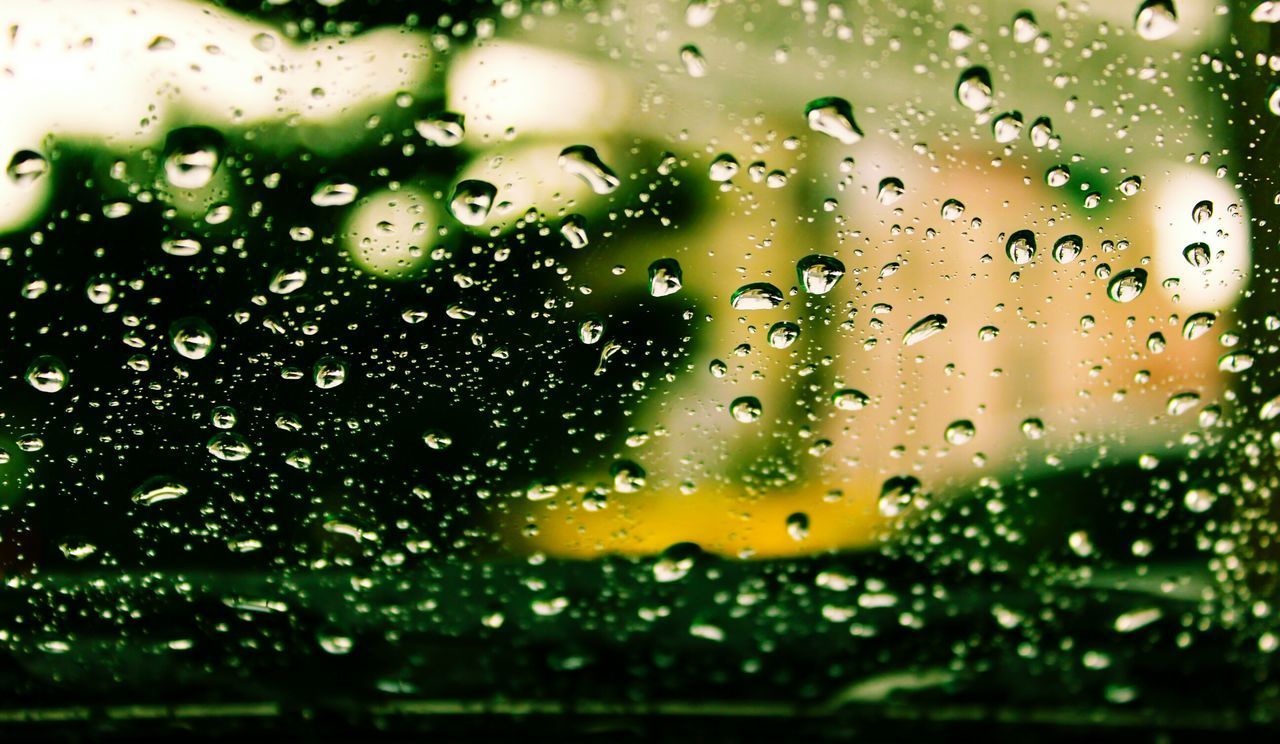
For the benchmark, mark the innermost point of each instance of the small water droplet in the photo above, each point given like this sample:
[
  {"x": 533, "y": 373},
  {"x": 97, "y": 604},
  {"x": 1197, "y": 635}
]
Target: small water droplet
[
  {"x": 960, "y": 432},
  {"x": 1007, "y": 127},
  {"x": 1067, "y": 248},
  {"x": 1180, "y": 403},
  {"x": 952, "y": 209},
  {"x": 1156, "y": 19},
  {"x": 192, "y": 338},
  {"x": 329, "y": 372},
  {"x": 723, "y": 168},
  {"x": 1201, "y": 212},
  {"x": 1197, "y": 325},
  {"x": 1235, "y": 362},
  {"x": 1032, "y": 428},
  {"x": 286, "y": 281},
  {"x": 1197, "y": 254},
  {"x": 1130, "y": 185},
  {"x": 229, "y": 446},
  {"x": 1041, "y": 132},
  {"x": 158, "y": 489},
  {"x": 191, "y": 156},
  {"x": 798, "y": 526},
  {"x": 890, "y": 191},
  {"x": 591, "y": 330},
  {"x": 445, "y": 129},
  {"x": 1198, "y": 500},
  {"x": 694, "y": 63},
  {"x": 783, "y": 334},
  {"x": 574, "y": 230},
  {"x": 897, "y": 493},
  {"x": 1057, "y": 176},
  {"x": 334, "y": 194},
  {"x": 850, "y": 400}
]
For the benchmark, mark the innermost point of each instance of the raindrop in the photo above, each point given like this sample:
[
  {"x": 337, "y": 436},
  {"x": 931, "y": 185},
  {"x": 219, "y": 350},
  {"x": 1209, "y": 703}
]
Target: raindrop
[
  {"x": 47, "y": 374},
  {"x": 973, "y": 90},
  {"x": 1057, "y": 176},
  {"x": 694, "y": 63},
  {"x": 591, "y": 330},
  {"x": 334, "y": 194},
  {"x": 445, "y": 129},
  {"x": 1032, "y": 428},
  {"x": 746, "y": 409},
  {"x": 583, "y": 161},
  {"x": 723, "y": 168},
  {"x": 287, "y": 281},
  {"x": 26, "y": 167},
  {"x": 783, "y": 334},
  {"x": 1180, "y": 403},
  {"x": 952, "y": 209},
  {"x": 1130, "y": 185},
  {"x": 437, "y": 440},
  {"x": 1021, "y": 247},
  {"x": 1197, "y": 254},
  {"x": 676, "y": 562},
  {"x": 1235, "y": 362},
  {"x": 833, "y": 117},
  {"x": 897, "y": 493},
  {"x": 1041, "y": 132},
  {"x": 1156, "y": 19},
  {"x": 1198, "y": 500},
  {"x": 192, "y": 338},
  {"x": 756, "y": 296},
  {"x": 960, "y": 432},
  {"x": 574, "y": 230},
  {"x": 229, "y": 446},
  {"x": 329, "y": 372},
  {"x": 1025, "y": 29},
  {"x": 850, "y": 400},
  {"x": 191, "y": 156},
  {"x": 926, "y": 327},
  {"x": 1127, "y": 285},
  {"x": 158, "y": 489},
  {"x": 665, "y": 277},
  {"x": 628, "y": 477},
  {"x": 819, "y": 274},
  {"x": 798, "y": 526},
  {"x": 1007, "y": 127},
  {"x": 184, "y": 247},
  {"x": 223, "y": 417},
  {"x": 1067, "y": 248},
  {"x": 1197, "y": 325},
  {"x": 472, "y": 201},
  {"x": 1201, "y": 212},
  {"x": 890, "y": 191}
]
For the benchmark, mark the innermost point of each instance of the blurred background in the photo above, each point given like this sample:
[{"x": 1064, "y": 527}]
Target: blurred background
[{"x": 370, "y": 334}]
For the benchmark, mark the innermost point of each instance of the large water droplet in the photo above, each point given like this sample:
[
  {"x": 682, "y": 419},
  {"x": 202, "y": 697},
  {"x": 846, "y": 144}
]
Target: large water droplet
[
  {"x": 897, "y": 493},
  {"x": 158, "y": 489},
  {"x": 229, "y": 446},
  {"x": 26, "y": 167},
  {"x": 334, "y": 194},
  {"x": 329, "y": 372},
  {"x": 1181, "y": 403},
  {"x": 1007, "y": 127},
  {"x": 1057, "y": 176},
  {"x": 1197, "y": 325},
  {"x": 1197, "y": 254},
  {"x": 1201, "y": 212},
  {"x": 191, "y": 156},
  {"x": 472, "y": 201},
  {"x": 890, "y": 191},
  {"x": 746, "y": 409},
  {"x": 591, "y": 330},
  {"x": 960, "y": 432},
  {"x": 798, "y": 526},
  {"x": 1021, "y": 247},
  {"x": 287, "y": 281},
  {"x": 583, "y": 162},
  {"x": 850, "y": 400},
  {"x": 819, "y": 274},
  {"x": 1127, "y": 285},
  {"x": 665, "y": 277},
  {"x": 926, "y": 327},
  {"x": 694, "y": 63},
  {"x": 1156, "y": 19},
  {"x": 574, "y": 230},
  {"x": 1067, "y": 248},
  {"x": 952, "y": 210},
  {"x": 47, "y": 374},
  {"x": 723, "y": 168},
  {"x": 783, "y": 334},
  {"x": 756, "y": 296},
  {"x": 833, "y": 117},
  {"x": 192, "y": 338},
  {"x": 973, "y": 90},
  {"x": 445, "y": 129}
]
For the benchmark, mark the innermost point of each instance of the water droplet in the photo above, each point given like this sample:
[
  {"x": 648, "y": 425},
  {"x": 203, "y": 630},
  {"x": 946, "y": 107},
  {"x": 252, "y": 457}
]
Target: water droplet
[
  {"x": 1057, "y": 176},
  {"x": 1127, "y": 285},
  {"x": 574, "y": 230},
  {"x": 819, "y": 274},
  {"x": 1130, "y": 185},
  {"x": 952, "y": 209},
  {"x": 229, "y": 446},
  {"x": 1270, "y": 410},
  {"x": 676, "y": 562},
  {"x": 988, "y": 333},
  {"x": 783, "y": 334},
  {"x": 926, "y": 327},
  {"x": 183, "y": 247},
  {"x": 437, "y": 440},
  {"x": 746, "y": 409},
  {"x": 223, "y": 417},
  {"x": 833, "y": 117},
  {"x": 192, "y": 338},
  {"x": 334, "y": 194},
  {"x": 77, "y": 549},
  {"x": 329, "y": 372},
  {"x": 718, "y": 368},
  {"x": 897, "y": 493},
  {"x": 628, "y": 477},
  {"x": 191, "y": 156},
  {"x": 1025, "y": 28},
  {"x": 1041, "y": 132},
  {"x": 1201, "y": 212},
  {"x": 26, "y": 167},
  {"x": 287, "y": 281},
  {"x": 1235, "y": 362},
  {"x": 583, "y": 161},
  {"x": 665, "y": 277},
  {"x": 1032, "y": 428},
  {"x": 1198, "y": 500},
  {"x": 1156, "y": 19},
  {"x": 973, "y": 90},
  {"x": 1197, "y": 254},
  {"x": 890, "y": 191},
  {"x": 445, "y": 129},
  {"x": 694, "y": 63},
  {"x": 960, "y": 432},
  {"x": 471, "y": 201},
  {"x": 1197, "y": 325},
  {"x": 756, "y": 296},
  {"x": 47, "y": 374},
  {"x": 158, "y": 489},
  {"x": 1007, "y": 127},
  {"x": 723, "y": 168},
  {"x": 850, "y": 400},
  {"x": 798, "y": 526},
  {"x": 591, "y": 330},
  {"x": 1156, "y": 343},
  {"x": 1180, "y": 403},
  {"x": 1067, "y": 248},
  {"x": 1021, "y": 247}
]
